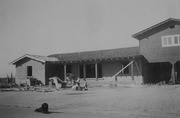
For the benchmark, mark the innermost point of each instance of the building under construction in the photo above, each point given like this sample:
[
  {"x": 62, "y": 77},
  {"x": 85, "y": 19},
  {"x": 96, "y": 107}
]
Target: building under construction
[{"x": 156, "y": 59}]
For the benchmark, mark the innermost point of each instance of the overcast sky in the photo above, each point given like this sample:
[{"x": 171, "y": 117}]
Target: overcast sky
[{"x": 44, "y": 27}]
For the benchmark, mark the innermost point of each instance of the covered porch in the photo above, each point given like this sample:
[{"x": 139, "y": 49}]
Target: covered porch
[
  {"x": 99, "y": 69},
  {"x": 167, "y": 72}
]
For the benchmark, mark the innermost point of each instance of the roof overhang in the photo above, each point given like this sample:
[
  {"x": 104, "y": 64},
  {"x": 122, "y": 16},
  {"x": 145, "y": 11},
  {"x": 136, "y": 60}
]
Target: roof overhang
[
  {"x": 99, "y": 60},
  {"x": 27, "y": 56},
  {"x": 156, "y": 28}
]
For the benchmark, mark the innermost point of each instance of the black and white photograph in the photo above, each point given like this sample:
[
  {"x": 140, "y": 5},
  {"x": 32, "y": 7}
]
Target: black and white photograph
[{"x": 89, "y": 58}]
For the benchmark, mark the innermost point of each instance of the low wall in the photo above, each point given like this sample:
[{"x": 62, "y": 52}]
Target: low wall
[
  {"x": 23, "y": 81},
  {"x": 108, "y": 81}
]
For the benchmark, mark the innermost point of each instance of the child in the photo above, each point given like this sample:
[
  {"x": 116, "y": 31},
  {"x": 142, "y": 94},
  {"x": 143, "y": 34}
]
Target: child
[{"x": 75, "y": 87}]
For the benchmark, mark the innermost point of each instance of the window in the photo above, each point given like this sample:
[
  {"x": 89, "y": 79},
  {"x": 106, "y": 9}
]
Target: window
[
  {"x": 81, "y": 71},
  {"x": 29, "y": 70},
  {"x": 90, "y": 70},
  {"x": 176, "y": 40},
  {"x": 99, "y": 69},
  {"x": 171, "y": 40},
  {"x": 165, "y": 41}
]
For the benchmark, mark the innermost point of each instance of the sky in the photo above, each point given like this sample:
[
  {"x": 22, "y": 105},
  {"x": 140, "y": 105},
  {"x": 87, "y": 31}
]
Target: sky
[{"x": 44, "y": 27}]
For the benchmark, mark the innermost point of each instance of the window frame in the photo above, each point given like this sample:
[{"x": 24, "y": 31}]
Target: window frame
[
  {"x": 169, "y": 40},
  {"x": 29, "y": 71}
]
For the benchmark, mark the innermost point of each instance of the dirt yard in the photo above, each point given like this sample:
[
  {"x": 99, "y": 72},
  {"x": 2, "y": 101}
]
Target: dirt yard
[{"x": 98, "y": 102}]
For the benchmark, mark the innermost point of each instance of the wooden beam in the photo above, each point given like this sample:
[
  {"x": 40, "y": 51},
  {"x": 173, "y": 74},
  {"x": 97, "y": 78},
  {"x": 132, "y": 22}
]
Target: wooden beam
[
  {"x": 84, "y": 70},
  {"x": 138, "y": 68},
  {"x": 96, "y": 71},
  {"x": 65, "y": 74},
  {"x": 78, "y": 71},
  {"x": 132, "y": 71},
  {"x": 124, "y": 68},
  {"x": 173, "y": 77}
]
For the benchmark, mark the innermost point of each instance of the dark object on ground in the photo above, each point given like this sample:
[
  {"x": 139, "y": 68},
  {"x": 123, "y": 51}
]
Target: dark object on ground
[
  {"x": 35, "y": 81},
  {"x": 43, "y": 109}
]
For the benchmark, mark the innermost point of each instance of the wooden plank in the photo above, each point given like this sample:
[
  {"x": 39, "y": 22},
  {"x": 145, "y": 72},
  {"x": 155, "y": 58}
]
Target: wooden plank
[
  {"x": 173, "y": 73},
  {"x": 96, "y": 72},
  {"x": 138, "y": 68},
  {"x": 124, "y": 68},
  {"x": 65, "y": 72},
  {"x": 132, "y": 71},
  {"x": 78, "y": 71},
  {"x": 84, "y": 70}
]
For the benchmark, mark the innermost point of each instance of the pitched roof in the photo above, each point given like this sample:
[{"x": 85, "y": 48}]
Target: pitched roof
[
  {"x": 84, "y": 56},
  {"x": 100, "y": 54},
  {"x": 45, "y": 58},
  {"x": 42, "y": 59},
  {"x": 156, "y": 28}
]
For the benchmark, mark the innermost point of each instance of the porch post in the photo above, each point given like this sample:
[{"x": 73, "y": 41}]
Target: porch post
[
  {"x": 173, "y": 78},
  {"x": 138, "y": 68},
  {"x": 84, "y": 70},
  {"x": 173, "y": 73},
  {"x": 132, "y": 71},
  {"x": 65, "y": 74},
  {"x": 78, "y": 71},
  {"x": 96, "y": 72},
  {"x": 115, "y": 77}
]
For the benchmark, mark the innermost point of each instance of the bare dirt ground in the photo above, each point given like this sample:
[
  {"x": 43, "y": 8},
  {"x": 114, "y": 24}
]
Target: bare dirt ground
[{"x": 98, "y": 102}]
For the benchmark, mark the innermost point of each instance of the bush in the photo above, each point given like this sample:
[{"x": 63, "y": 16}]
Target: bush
[{"x": 35, "y": 81}]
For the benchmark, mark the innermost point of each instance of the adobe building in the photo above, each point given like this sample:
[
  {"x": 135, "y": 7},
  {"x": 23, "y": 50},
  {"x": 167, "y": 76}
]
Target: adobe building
[
  {"x": 96, "y": 65},
  {"x": 156, "y": 59}
]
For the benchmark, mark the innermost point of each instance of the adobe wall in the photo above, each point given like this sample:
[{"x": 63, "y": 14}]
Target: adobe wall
[
  {"x": 38, "y": 70},
  {"x": 110, "y": 68}
]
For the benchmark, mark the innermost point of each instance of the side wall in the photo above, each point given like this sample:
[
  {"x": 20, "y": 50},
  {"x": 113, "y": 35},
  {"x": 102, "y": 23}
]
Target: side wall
[
  {"x": 38, "y": 70},
  {"x": 110, "y": 68},
  {"x": 151, "y": 47}
]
